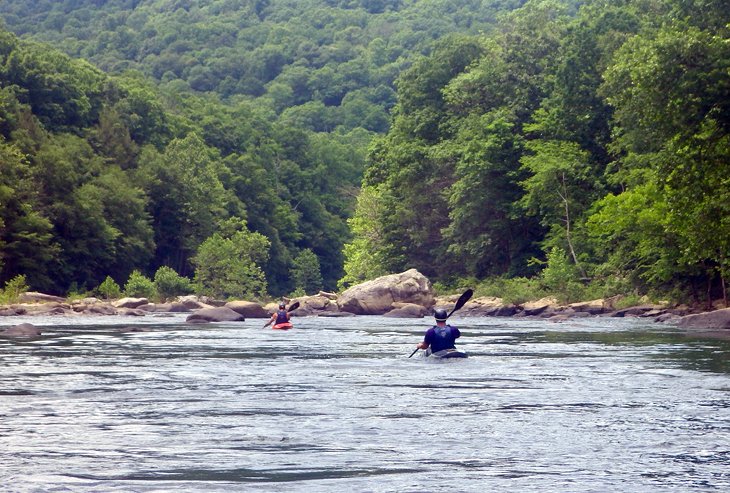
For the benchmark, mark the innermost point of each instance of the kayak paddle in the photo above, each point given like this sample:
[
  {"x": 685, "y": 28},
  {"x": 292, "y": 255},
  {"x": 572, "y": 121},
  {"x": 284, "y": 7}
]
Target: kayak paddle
[
  {"x": 459, "y": 303},
  {"x": 293, "y": 307}
]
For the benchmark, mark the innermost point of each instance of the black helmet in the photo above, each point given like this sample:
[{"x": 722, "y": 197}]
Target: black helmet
[{"x": 440, "y": 315}]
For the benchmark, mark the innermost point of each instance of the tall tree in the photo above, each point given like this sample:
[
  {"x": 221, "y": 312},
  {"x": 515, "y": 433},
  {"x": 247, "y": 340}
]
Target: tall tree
[
  {"x": 671, "y": 90},
  {"x": 187, "y": 198}
]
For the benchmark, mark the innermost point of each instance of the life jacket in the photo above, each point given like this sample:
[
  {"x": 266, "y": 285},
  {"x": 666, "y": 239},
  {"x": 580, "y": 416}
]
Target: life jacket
[
  {"x": 281, "y": 317},
  {"x": 441, "y": 338}
]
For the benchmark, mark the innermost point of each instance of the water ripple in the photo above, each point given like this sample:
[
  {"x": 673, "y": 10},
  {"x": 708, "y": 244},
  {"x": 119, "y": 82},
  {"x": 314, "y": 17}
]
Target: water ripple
[{"x": 337, "y": 405}]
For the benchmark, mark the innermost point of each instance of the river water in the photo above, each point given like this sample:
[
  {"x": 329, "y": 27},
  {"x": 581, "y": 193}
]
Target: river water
[{"x": 336, "y": 405}]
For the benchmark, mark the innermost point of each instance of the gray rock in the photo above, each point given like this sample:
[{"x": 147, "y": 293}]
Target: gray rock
[
  {"x": 378, "y": 296},
  {"x": 248, "y": 309},
  {"x": 34, "y": 297},
  {"x": 718, "y": 319},
  {"x": 216, "y": 314},
  {"x": 21, "y": 330},
  {"x": 408, "y": 310},
  {"x": 131, "y": 302}
]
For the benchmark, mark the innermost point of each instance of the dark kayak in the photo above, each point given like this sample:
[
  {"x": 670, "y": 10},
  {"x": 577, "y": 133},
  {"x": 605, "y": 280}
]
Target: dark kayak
[{"x": 445, "y": 354}]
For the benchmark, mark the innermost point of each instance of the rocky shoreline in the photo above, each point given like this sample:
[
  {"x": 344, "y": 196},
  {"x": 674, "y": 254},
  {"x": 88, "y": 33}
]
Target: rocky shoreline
[{"x": 405, "y": 295}]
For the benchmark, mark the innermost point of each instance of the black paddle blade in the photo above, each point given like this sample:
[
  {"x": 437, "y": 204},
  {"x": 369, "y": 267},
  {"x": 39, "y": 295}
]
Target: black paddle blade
[
  {"x": 462, "y": 300},
  {"x": 294, "y": 306}
]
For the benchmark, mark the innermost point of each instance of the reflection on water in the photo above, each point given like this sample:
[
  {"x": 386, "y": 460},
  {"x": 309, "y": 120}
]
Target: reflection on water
[{"x": 336, "y": 404}]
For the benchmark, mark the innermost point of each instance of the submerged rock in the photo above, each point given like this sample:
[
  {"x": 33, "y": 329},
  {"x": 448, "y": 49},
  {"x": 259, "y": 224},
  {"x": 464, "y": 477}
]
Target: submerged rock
[
  {"x": 21, "y": 330},
  {"x": 216, "y": 314}
]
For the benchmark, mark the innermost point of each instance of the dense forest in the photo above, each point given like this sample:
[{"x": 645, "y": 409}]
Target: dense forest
[{"x": 265, "y": 146}]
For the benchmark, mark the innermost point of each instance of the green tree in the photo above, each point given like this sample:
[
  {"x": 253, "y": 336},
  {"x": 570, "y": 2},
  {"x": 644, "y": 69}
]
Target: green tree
[
  {"x": 27, "y": 245},
  {"x": 306, "y": 272},
  {"x": 556, "y": 189},
  {"x": 109, "y": 289},
  {"x": 140, "y": 286},
  {"x": 669, "y": 88},
  {"x": 364, "y": 255},
  {"x": 631, "y": 236},
  {"x": 229, "y": 263},
  {"x": 187, "y": 198},
  {"x": 169, "y": 283},
  {"x": 484, "y": 236},
  {"x": 560, "y": 276}
]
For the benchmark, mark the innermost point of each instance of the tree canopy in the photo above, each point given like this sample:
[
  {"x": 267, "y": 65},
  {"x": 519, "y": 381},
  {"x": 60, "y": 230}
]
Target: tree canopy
[{"x": 470, "y": 139}]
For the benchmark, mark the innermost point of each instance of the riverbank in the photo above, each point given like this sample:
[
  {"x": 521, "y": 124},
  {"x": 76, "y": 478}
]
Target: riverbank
[
  {"x": 203, "y": 310},
  {"x": 405, "y": 295}
]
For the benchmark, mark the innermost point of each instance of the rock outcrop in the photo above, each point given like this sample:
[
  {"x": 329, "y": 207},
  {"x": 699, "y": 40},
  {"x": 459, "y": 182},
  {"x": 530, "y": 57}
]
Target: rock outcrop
[
  {"x": 248, "y": 309},
  {"x": 131, "y": 302},
  {"x": 313, "y": 305},
  {"x": 380, "y": 295},
  {"x": 718, "y": 319}
]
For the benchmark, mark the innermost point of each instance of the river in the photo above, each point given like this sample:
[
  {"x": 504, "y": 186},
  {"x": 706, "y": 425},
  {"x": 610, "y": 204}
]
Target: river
[{"x": 336, "y": 405}]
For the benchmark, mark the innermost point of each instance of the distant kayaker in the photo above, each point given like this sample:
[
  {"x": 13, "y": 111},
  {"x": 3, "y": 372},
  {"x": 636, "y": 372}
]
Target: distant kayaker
[
  {"x": 280, "y": 318},
  {"x": 440, "y": 336}
]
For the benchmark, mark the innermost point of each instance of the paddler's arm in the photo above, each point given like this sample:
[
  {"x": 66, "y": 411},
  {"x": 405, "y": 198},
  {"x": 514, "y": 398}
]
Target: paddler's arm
[{"x": 426, "y": 340}]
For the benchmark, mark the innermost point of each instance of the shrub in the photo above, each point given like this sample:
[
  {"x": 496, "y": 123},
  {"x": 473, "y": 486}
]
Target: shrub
[
  {"x": 561, "y": 277},
  {"x": 76, "y": 292},
  {"x": 517, "y": 290},
  {"x": 140, "y": 286},
  {"x": 229, "y": 266},
  {"x": 13, "y": 289},
  {"x": 306, "y": 272},
  {"x": 297, "y": 293},
  {"x": 109, "y": 289},
  {"x": 169, "y": 283}
]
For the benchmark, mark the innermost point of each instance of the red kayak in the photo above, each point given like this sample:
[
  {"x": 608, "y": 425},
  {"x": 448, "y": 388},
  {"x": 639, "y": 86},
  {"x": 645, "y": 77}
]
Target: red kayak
[{"x": 283, "y": 326}]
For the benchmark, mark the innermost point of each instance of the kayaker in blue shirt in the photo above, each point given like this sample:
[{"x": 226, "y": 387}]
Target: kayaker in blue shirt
[
  {"x": 440, "y": 336},
  {"x": 280, "y": 318}
]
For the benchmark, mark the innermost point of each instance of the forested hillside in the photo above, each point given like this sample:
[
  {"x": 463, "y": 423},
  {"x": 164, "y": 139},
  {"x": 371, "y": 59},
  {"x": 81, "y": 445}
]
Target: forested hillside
[
  {"x": 596, "y": 144},
  {"x": 580, "y": 144},
  {"x": 320, "y": 64},
  {"x": 204, "y": 114}
]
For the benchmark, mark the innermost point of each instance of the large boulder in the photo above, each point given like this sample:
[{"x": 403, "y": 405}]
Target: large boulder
[
  {"x": 534, "y": 308},
  {"x": 635, "y": 311},
  {"x": 593, "y": 307},
  {"x": 380, "y": 295},
  {"x": 173, "y": 307},
  {"x": 313, "y": 305},
  {"x": 130, "y": 302},
  {"x": 486, "y": 306},
  {"x": 193, "y": 302},
  {"x": 12, "y": 310},
  {"x": 718, "y": 319},
  {"x": 35, "y": 297},
  {"x": 248, "y": 309}
]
